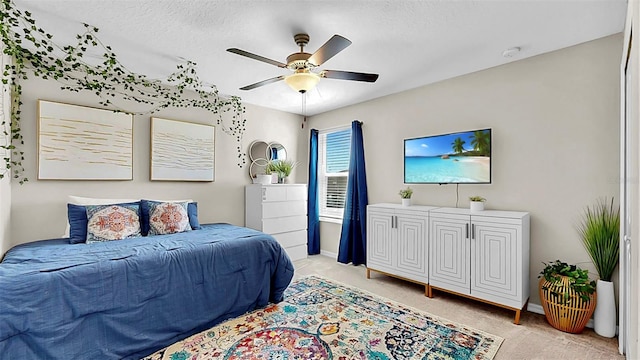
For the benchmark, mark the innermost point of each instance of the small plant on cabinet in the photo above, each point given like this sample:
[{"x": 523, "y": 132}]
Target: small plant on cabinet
[
  {"x": 406, "y": 193},
  {"x": 477, "y": 203}
]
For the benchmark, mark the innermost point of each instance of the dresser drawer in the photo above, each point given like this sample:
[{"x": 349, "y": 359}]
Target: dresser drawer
[
  {"x": 294, "y": 238},
  {"x": 297, "y": 193},
  {"x": 283, "y": 208},
  {"x": 284, "y": 224},
  {"x": 296, "y": 252},
  {"x": 284, "y": 193}
]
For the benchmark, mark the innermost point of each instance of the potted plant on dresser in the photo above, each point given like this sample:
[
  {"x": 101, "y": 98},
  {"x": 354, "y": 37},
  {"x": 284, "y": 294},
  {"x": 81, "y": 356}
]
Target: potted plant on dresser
[
  {"x": 271, "y": 170},
  {"x": 600, "y": 234},
  {"x": 405, "y": 195},
  {"x": 567, "y": 295},
  {"x": 282, "y": 168}
]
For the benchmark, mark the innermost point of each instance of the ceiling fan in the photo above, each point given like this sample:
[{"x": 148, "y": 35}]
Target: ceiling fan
[{"x": 304, "y": 65}]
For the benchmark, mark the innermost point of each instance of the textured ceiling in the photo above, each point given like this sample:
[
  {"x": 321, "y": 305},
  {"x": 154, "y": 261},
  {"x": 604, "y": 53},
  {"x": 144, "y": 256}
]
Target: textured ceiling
[{"x": 409, "y": 43}]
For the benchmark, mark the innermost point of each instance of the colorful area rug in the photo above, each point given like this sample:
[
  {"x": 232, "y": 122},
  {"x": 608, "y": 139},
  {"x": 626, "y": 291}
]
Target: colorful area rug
[{"x": 322, "y": 319}]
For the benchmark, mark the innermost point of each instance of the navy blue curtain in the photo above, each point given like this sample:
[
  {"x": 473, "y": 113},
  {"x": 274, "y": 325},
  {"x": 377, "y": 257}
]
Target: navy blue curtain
[
  {"x": 313, "y": 206},
  {"x": 353, "y": 239}
]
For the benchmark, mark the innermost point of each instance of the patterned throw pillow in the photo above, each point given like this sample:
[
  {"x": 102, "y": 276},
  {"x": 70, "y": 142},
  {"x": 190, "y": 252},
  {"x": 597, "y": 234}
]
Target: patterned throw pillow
[
  {"x": 168, "y": 218},
  {"x": 192, "y": 211},
  {"x": 112, "y": 222}
]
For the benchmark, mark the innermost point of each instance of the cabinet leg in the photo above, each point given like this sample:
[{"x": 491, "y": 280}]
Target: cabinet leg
[
  {"x": 368, "y": 273},
  {"x": 429, "y": 291},
  {"x": 517, "y": 319}
]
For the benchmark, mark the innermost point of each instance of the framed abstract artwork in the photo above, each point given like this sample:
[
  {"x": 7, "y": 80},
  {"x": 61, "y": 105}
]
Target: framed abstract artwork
[
  {"x": 182, "y": 151},
  {"x": 83, "y": 143}
]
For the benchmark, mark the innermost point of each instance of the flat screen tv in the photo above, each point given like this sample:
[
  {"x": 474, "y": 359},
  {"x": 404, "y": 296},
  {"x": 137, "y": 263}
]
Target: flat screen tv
[{"x": 457, "y": 158}]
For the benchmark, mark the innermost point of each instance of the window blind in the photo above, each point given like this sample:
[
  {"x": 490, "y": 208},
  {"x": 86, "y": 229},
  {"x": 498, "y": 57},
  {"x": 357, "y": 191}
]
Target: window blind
[
  {"x": 338, "y": 145},
  {"x": 334, "y": 149}
]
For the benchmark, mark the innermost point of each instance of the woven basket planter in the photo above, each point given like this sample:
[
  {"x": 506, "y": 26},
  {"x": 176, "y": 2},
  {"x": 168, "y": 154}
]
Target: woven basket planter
[{"x": 571, "y": 315}]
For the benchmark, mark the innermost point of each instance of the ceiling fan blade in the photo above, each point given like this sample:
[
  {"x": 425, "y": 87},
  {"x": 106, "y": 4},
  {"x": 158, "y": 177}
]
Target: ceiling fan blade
[
  {"x": 257, "y": 57},
  {"x": 262, "y": 83},
  {"x": 348, "y": 75},
  {"x": 336, "y": 44}
]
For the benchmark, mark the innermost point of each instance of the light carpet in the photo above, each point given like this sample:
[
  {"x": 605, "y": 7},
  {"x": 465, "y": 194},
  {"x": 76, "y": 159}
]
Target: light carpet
[{"x": 324, "y": 319}]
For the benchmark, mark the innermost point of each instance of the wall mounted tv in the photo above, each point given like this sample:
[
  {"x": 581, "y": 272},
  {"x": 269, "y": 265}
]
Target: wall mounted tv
[{"x": 457, "y": 158}]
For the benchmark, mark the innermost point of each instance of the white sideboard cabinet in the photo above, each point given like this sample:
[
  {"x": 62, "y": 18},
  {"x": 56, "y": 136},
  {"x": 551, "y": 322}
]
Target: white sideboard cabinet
[
  {"x": 397, "y": 242},
  {"x": 482, "y": 255},
  {"x": 281, "y": 211}
]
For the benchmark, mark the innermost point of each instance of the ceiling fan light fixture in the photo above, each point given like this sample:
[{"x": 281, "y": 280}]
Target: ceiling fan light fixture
[{"x": 302, "y": 81}]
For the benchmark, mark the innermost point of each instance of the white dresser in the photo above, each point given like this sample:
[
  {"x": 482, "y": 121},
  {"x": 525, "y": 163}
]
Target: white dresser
[{"x": 281, "y": 211}]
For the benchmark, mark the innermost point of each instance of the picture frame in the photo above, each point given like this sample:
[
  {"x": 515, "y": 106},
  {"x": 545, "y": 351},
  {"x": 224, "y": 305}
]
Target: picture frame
[
  {"x": 83, "y": 143},
  {"x": 182, "y": 151}
]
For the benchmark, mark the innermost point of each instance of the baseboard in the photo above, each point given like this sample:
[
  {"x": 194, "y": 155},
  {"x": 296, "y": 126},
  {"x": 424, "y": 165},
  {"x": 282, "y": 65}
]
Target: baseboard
[
  {"x": 535, "y": 308},
  {"x": 328, "y": 254}
]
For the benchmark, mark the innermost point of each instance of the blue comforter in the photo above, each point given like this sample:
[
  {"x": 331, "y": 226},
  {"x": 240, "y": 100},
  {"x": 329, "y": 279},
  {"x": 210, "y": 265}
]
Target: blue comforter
[{"x": 126, "y": 299}]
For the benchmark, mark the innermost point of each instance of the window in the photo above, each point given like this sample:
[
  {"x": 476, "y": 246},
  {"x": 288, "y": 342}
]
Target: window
[{"x": 333, "y": 171}]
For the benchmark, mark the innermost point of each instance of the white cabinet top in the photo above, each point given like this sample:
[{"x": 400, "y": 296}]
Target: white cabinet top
[
  {"x": 487, "y": 213},
  {"x": 401, "y": 207},
  {"x": 450, "y": 210}
]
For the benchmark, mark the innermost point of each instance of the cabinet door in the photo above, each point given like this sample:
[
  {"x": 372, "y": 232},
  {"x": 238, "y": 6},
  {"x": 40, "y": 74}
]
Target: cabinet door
[
  {"x": 449, "y": 252},
  {"x": 494, "y": 261},
  {"x": 412, "y": 247},
  {"x": 380, "y": 240}
]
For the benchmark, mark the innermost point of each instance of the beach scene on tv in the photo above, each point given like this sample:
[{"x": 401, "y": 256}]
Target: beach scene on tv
[{"x": 463, "y": 157}]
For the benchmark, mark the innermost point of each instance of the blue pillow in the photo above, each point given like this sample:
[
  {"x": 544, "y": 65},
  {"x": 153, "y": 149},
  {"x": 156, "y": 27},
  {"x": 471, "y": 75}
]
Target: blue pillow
[
  {"x": 192, "y": 211},
  {"x": 77, "y": 215},
  {"x": 78, "y": 222}
]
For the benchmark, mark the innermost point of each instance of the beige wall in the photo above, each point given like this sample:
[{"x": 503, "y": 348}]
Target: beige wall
[
  {"x": 39, "y": 207},
  {"x": 5, "y": 183},
  {"x": 5, "y": 215},
  {"x": 555, "y": 121}
]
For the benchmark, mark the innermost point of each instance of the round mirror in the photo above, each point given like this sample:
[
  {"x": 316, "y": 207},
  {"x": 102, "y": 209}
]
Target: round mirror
[
  {"x": 259, "y": 150},
  {"x": 256, "y": 169},
  {"x": 259, "y": 155},
  {"x": 277, "y": 151}
]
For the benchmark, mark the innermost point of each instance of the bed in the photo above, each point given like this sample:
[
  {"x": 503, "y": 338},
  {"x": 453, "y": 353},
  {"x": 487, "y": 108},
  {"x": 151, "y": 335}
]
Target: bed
[{"x": 126, "y": 299}]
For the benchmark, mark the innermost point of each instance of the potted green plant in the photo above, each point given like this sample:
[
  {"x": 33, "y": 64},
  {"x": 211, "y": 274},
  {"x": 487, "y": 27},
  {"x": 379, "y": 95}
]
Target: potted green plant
[
  {"x": 600, "y": 234},
  {"x": 405, "y": 195},
  {"x": 282, "y": 168},
  {"x": 271, "y": 170},
  {"x": 567, "y": 295},
  {"x": 476, "y": 203}
]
